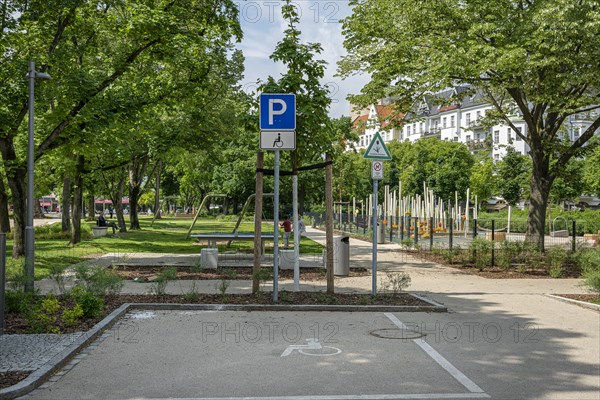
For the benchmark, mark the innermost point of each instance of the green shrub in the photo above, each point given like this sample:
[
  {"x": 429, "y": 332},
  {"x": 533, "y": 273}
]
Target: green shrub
[
  {"x": 507, "y": 253},
  {"x": 72, "y": 316},
  {"x": 164, "y": 277},
  {"x": 262, "y": 276},
  {"x": 395, "y": 282},
  {"x": 18, "y": 301},
  {"x": 588, "y": 261},
  {"x": 44, "y": 318},
  {"x": 555, "y": 261},
  {"x": 99, "y": 280},
  {"x": 91, "y": 305},
  {"x": 57, "y": 274},
  {"x": 481, "y": 249},
  {"x": 16, "y": 276},
  {"x": 192, "y": 294}
]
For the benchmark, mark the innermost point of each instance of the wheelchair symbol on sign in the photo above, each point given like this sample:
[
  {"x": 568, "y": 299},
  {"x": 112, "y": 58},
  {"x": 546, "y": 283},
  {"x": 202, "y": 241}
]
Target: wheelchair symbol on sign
[
  {"x": 313, "y": 348},
  {"x": 278, "y": 142}
]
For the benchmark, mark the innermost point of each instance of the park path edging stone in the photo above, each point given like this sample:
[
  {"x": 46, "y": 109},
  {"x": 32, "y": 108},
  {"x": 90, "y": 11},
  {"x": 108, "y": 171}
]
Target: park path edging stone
[{"x": 579, "y": 303}]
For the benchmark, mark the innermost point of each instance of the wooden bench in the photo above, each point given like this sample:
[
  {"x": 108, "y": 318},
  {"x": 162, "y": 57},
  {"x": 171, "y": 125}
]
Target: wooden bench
[{"x": 213, "y": 238}]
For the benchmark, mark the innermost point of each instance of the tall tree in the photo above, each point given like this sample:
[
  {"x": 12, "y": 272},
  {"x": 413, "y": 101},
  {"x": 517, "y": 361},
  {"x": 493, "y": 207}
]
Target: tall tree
[
  {"x": 97, "y": 51},
  {"x": 591, "y": 173},
  {"x": 513, "y": 172},
  {"x": 536, "y": 59},
  {"x": 483, "y": 181}
]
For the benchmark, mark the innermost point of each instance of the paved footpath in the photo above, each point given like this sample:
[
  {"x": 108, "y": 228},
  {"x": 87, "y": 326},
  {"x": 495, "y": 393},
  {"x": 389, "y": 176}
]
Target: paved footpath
[{"x": 507, "y": 333}]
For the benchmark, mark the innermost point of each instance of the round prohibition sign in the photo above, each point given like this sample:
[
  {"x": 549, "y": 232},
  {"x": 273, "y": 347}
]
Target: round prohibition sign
[{"x": 377, "y": 166}]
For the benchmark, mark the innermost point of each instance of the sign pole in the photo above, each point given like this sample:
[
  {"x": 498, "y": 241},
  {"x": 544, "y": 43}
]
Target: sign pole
[
  {"x": 374, "y": 260},
  {"x": 276, "y": 233}
]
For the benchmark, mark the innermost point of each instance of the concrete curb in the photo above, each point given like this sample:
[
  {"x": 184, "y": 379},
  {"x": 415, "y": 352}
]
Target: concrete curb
[
  {"x": 37, "y": 377},
  {"x": 590, "y": 306}
]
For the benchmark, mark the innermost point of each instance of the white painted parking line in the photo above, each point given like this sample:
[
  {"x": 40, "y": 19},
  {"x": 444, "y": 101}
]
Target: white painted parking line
[
  {"x": 438, "y": 358},
  {"x": 420, "y": 396}
]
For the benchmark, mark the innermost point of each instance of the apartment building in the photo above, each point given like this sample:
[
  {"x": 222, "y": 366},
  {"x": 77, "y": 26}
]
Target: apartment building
[
  {"x": 376, "y": 118},
  {"x": 462, "y": 121}
]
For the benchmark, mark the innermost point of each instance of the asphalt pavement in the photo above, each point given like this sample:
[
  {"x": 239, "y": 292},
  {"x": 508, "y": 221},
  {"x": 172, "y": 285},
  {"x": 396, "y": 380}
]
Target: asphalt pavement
[{"x": 501, "y": 339}]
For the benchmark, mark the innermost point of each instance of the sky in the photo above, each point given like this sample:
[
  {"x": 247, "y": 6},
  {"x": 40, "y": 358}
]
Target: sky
[{"x": 320, "y": 22}]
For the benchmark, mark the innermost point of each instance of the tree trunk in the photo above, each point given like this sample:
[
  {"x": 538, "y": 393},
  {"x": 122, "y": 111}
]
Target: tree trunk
[
  {"x": 157, "y": 191},
  {"x": 235, "y": 206},
  {"x": 137, "y": 169},
  {"x": 329, "y": 221},
  {"x": 226, "y": 206},
  {"x": 134, "y": 220},
  {"x": 92, "y": 205},
  {"x": 541, "y": 182},
  {"x": 117, "y": 200},
  {"x": 16, "y": 182},
  {"x": 301, "y": 197},
  {"x": 66, "y": 204},
  {"x": 4, "y": 218},
  {"x": 77, "y": 200}
]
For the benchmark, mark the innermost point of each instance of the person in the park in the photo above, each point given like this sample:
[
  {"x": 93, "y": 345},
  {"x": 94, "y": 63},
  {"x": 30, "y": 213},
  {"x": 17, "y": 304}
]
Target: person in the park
[
  {"x": 103, "y": 222},
  {"x": 287, "y": 230}
]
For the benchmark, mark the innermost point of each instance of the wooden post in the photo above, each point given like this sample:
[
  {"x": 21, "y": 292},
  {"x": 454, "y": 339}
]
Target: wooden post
[
  {"x": 329, "y": 221},
  {"x": 258, "y": 201}
]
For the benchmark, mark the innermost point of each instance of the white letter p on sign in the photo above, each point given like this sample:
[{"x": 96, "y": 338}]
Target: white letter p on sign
[{"x": 273, "y": 112}]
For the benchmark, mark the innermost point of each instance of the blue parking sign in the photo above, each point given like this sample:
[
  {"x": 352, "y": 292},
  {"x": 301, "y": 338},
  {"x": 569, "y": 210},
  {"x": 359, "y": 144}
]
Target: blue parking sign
[{"x": 277, "y": 112}]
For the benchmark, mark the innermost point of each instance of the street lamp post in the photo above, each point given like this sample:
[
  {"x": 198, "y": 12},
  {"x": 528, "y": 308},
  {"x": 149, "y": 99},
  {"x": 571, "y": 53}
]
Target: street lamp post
[{"x": 29, "y": 238}]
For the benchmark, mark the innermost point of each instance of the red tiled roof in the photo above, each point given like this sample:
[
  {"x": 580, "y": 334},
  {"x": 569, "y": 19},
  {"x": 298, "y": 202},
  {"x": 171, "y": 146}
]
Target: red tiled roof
[
  {"x": 386, "y": 114},
  {"x": 360, "y": 122},
  {"x": 447, "y": 108}
]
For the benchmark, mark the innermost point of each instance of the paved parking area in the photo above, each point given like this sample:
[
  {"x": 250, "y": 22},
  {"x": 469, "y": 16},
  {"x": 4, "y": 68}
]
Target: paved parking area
[
  {"x": 196, "y": 354},
  {"x": 324, "y": 355}
]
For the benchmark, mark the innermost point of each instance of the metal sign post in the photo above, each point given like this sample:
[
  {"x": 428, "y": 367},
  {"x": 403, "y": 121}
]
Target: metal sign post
[
  {"x": 374, "y": 260},
  {"x": 276, "y": 232},
  {"x": 377, "y": 152},
  {"x": 277, "y": 132}
]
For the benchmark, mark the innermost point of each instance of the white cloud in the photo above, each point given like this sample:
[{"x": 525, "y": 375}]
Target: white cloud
[{"x": 263, "y": 27}]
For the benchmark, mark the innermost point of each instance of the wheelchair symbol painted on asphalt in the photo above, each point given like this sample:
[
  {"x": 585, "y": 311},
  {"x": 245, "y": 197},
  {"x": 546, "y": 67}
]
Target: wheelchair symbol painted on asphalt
[{"x": 313, "y": 348}]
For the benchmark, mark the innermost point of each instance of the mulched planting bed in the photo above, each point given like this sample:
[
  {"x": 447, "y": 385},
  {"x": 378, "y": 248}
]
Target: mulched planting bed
[
  {"x": 514, "y": 272},
  {"x": 150, "y": 273},
  {"x": 17, "y": 324},
  {"x": 12, "y": 378}
]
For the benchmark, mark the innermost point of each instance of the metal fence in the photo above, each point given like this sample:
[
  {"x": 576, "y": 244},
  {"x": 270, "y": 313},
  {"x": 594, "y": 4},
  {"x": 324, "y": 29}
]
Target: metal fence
[{"x": 430, "y": 234}]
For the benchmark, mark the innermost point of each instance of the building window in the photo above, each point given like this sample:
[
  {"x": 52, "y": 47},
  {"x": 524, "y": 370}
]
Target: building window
[
  {"x": 518, "y": 138},
  {"x": 478, "y": 115},
  {"x": 468, "y": 138},
  {"x": 408, "y": 130},
  {"x": 496, "y": 136},
  {"x": 497, "y": 157},
  {"x": 576, "y": 133},
  {"x": 444, "y": 122},
  {"x": 421, "y": 127},
  {"x": 468, "y": 119},
  {"x": 452, "y": 121}
]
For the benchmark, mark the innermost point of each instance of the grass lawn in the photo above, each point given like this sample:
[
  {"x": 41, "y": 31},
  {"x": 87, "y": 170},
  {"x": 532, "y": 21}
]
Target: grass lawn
[{"x": 164, "y": 236}]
